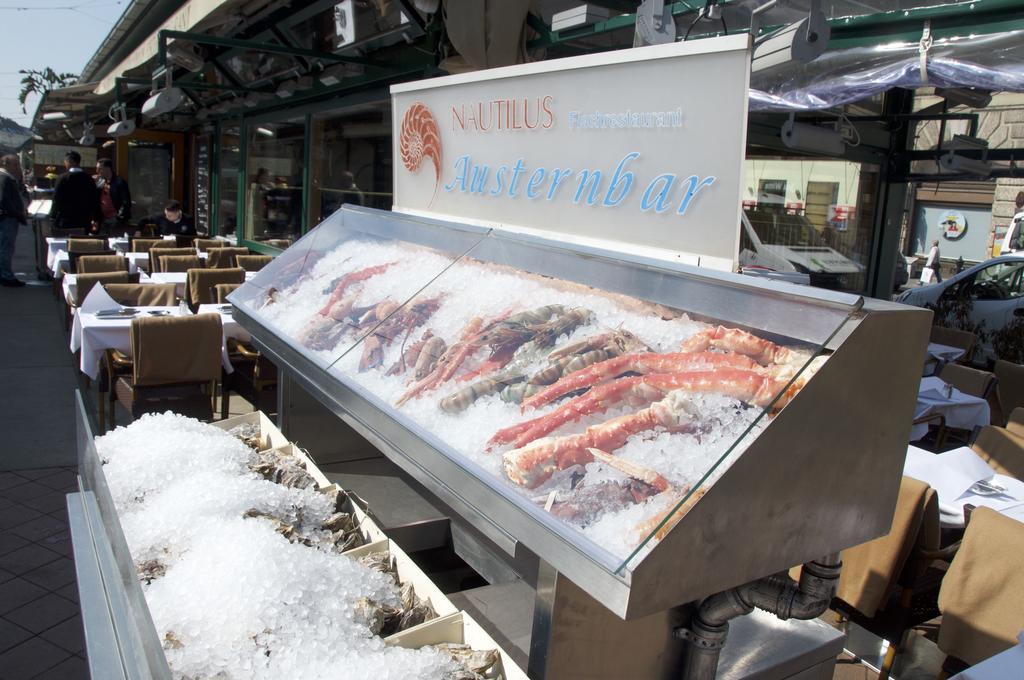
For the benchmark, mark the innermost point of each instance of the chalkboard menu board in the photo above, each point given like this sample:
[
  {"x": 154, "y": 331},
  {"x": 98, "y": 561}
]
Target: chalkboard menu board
[{"x": 202, "y": 177}]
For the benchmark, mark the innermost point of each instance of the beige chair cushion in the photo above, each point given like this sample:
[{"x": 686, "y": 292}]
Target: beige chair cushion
[
  {"x": 201, "y": 281},
  {"x": 94, "y": 264},
  {"x": 971, "y": 381},
  {"x": 155, "y": 254},
  {"x": 253, "y": 263},
  {"x": 982, "y": 594},
  {"x": 86, "y": 245},
  {"x": 85, "y": 282},
  {"x": 1010, "y": 387},
  {"x": 222, "y": 290},
  {"x": 179, "y": 263},
  {"x": 954, "y": 338},
  {"x": 143, "y": 295},
  {"x": 205, "y": 244},
  {"x": 1002, "y": 449},
  {"x": 871, "y": 570},
  {"x": 143, "y": 245},
  {"x": 162, "y": 243},
  {"x": 1015, "y": 423},
  {"x": 224, "y": 258},
  {"x": 176, "y": 349}
]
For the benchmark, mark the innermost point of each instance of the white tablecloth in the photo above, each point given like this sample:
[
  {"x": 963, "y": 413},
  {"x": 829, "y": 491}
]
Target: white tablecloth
[
  {"x": 93, "y": 336},
  {"x": 54, "y": 246},
  {"x": 70, "y": 284},
  {"x": 232, "y": 329},
  {"x": 120, "y": 243},
  {"x": 960, "y": 410},
  {"x": 179, "y": 279},
  {"x": 939, "y": 354},
  {"x": 953, "y": 475}
]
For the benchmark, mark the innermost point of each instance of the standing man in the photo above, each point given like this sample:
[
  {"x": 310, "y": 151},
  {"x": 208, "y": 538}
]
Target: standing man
[
  {"x": 76, "y": 200},
  {"x": 115, "y": 199},
  {"x": 12, "y": 213},
  {"x": 933, "y": 262}
]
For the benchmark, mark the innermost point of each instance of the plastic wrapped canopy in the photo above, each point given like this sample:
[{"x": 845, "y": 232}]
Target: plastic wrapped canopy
[{"x": 990, "y": 62}]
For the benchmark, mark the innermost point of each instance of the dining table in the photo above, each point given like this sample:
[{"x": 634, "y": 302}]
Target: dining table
[
  {"x": 70, "y": 284},
  {"x": 960, "y": 410},
  {"x": 960, "y": 477},
  {"x": 938, "y": 355}
]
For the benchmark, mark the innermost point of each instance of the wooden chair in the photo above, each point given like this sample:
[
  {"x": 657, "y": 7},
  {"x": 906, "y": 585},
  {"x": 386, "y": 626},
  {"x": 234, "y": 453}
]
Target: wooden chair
[
  {"x": 254, "y": 378},
  {"x": 253, "y": 263},
  {"x": 175, "y": 364},
  {"x": 156, "y": 253},
  {"x": 182, "y": 241},
  {"x": 179, "y": 263},
  {"x": 205, "y": 244},
  {"x": 164, "y": 243},
  {"x": 143, "y": 295},
  {"x": 1002, "y": 449},
  {"x": 224, "y": 258},
  {"x": 142, "y": 245},
  {"x": 222, "y": 290},
  {"x": 1015, "y": 423},
  {"x": 972, "y": 381},
  {"x": 887, "y": 585},
  {"x": 198, "y": 288},
  {"x": 94, "y": 264},
  {"x": 74, "y": 258},
  {"x": 1009, "y": 389},
  {"x": 952, "y": 337},
  {"x": 86, "y": 245},
  {"x": 85, "y": 282},
  {"x": 982, "y": 595}
]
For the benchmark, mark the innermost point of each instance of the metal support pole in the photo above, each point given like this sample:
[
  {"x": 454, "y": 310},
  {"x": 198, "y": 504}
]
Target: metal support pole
[{"x": 543, "y": 610}]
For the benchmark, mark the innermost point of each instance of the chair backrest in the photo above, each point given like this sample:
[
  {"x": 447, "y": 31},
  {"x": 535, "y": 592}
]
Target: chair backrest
[
  {"x": 224, "y": 258},
  {"x": 972, "y": 381},
  {"x": 1002, "y": 449},
  {"x": 179, "y": 263},
  {"x": 164, "y": 243},
  {"x": 223, "y": 290},
  {"x": 1010, "y": 387},
  {"x": 1015, "y": 423},
  {"x": 157, "y": 255},
  {"x": 871, "y": 570},
  {"x": 93, "y": 264},
  {"x": 143, "y": 294},
  {"x": 982, "y": 593},
  {"x": 201, "y": 282},
  {"x": 173, "y": 350},
  {"x": 85, "y": 282},
  {"x": 204, "y": 244},
  {"x": 143, "y": 245},
  {"x": 253, "y": 263},
  {"x": 86, "y": 245},
  {"x": 281, "y": 243},
  {"x": 73, "y": 258},
  {"x": 954, "y": 338}
]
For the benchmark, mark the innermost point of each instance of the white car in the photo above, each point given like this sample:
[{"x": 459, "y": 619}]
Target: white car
[{"x": 989, "y": 295}]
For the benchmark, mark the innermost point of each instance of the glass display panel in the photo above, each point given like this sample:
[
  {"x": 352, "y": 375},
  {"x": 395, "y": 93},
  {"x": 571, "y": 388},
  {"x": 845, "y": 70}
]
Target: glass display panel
[
  {"x": 227, "y": 179},
  {"x": 274, "y": 168},
  {"x": 598, "y": 394},
  {"x": 810, "y": 216}
]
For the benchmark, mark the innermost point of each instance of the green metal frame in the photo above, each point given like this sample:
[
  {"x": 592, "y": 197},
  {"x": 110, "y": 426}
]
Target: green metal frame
[{"x": 254, "y": 46}]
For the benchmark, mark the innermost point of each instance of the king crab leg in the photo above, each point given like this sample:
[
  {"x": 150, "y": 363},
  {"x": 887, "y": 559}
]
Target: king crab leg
[
  {"x": 647, "y": 362},
  {"x": 749, "y": 386},
  {"x": 348, "y": 279},
  {"x": 764, "y": 352},
  {"x": 533, "y": 464}
]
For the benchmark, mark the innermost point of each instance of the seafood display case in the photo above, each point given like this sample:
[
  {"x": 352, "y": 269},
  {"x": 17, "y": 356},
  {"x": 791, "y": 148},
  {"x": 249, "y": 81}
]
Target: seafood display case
[{"x": 654, "y": 432}]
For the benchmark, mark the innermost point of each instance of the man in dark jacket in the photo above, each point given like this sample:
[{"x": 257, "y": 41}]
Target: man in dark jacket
[
  {"x": 173, "y": 222},
  {"x": 76, "y": 200},
  {"x": 115, "y": 199},
  {"x": 12, "y": 213}
]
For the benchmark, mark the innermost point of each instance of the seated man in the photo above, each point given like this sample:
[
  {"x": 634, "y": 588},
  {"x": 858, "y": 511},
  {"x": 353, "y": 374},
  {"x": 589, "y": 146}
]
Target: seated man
[{"x": 173, "y": 222}]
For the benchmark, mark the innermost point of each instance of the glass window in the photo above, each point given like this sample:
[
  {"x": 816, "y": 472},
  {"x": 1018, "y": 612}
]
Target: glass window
[
  {"x": 274, "y": 165},
  {"x": 350, "y": 159},
  {"x": 999, "y": 282},
  {"x": 814, "y": 216},
  {"x": 227, "y": 180},
  {"x": 149, "y": 176}
]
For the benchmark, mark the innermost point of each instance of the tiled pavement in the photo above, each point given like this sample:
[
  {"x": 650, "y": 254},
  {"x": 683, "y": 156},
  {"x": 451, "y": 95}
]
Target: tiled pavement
[{"x": 40, "y": 626}]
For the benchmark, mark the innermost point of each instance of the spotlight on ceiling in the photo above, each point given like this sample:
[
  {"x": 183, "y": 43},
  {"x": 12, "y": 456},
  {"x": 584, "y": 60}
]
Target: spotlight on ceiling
[
  {"x": 122, "y": 125},
  {"x": 812, "y": 138},
  {"x": 56, "y": 115},
  {"x": 87, "y": 138},
  {"x": 951, "y": 161},
  {"x": 164, "y": 100},
  {"x": 801, "y": 42},
  {"x": 186, "y": 57}
]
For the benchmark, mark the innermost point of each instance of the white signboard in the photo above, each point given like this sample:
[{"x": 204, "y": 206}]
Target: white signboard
[{"x": 639, "y": 150}]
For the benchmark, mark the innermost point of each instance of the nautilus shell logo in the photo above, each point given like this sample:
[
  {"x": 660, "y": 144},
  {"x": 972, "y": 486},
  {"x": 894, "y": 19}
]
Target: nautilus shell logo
[{"x": 419, "y": 139}]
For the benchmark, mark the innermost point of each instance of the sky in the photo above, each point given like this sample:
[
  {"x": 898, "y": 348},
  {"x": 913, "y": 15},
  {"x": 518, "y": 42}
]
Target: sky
[{"x": 61, "y": 34}]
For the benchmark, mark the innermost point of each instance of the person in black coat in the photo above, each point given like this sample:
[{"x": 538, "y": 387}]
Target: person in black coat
[
  {"x": 173, "y": 222},
  {"x": 76, "y": 200},
  {"x": 12, "y": 214},
  {"x": 115, "y": 198}
]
